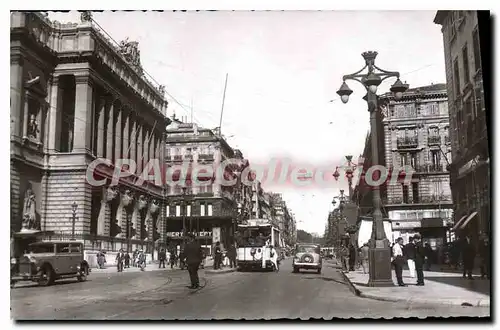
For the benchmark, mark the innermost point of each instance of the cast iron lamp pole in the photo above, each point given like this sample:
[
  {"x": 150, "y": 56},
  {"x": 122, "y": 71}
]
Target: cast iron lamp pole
[
  {"x": 184, "y": 211},
  {"x": 74, "y": 207},
  {"x": 380, "y": 257}
]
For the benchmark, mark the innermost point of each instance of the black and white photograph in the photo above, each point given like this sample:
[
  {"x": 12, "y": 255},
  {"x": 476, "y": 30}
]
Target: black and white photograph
[{"x": 250, "y": 164}]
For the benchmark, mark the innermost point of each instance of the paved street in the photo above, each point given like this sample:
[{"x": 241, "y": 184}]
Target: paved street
[{"x": 256, "y": 295}]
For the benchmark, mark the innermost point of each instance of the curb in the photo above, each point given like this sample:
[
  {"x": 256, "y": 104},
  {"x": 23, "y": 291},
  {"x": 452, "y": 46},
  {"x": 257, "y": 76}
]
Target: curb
[
  {"x": 447, "y": 302},
  {"x": 222, "y": 271}
]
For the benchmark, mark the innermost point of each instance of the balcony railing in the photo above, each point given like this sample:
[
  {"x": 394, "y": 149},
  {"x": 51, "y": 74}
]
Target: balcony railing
[
  {"x": 408, "y": 142},
  {"x": 177, "y": 158},
  {"x": 188, "y": 157},
  {"x": 205, "y": 156},
  {"x": 434, "y": 140}
]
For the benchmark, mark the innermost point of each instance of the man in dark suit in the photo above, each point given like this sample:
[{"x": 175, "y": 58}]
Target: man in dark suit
[
  {"x": 468, "y": 255},
  {"x": 409, "y": 253},
  {"x": 419, "y": 258},
  {"x": 193, "y": 254}
]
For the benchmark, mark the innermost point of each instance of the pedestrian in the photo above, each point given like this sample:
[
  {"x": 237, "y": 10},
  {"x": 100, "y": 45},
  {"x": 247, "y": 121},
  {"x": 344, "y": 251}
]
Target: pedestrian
[
  {"x": 193, "y": 255},
  {"x": 352, "y": 256},
  {"x": 409, "y": 253},
  {"x": 484, "y": 254},
  {"x": 141, "y": 260},
  {"x": 365, "y": 257},
  {"x": 217, "y": 255},
  {"x": 231, "y": 253},
  {"x": 173, "y": 258},
  {"x": 120, "y": 256},
  {"x": 398, "y": 260},
  {"x": 162, "y": 256},
  {"x": 127, "y": 260},
  {"x": 182, "y": 257},
  {"x": 429, "y": 254},
  {"x": 419, "y": 259},
  {"x": 468, "y": 255},
  {"x": 134, "y": 258}
]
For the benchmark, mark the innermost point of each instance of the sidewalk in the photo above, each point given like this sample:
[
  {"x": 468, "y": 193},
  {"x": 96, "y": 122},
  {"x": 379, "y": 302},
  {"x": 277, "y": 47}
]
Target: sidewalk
[
  {"x": 209, "y": 268},
  {"x": 441, "y": 288},
  {"x": 112, "y": 269}
]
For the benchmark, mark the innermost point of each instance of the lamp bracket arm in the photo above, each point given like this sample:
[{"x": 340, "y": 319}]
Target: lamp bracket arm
[
  {"x": 356, "y": 77},
  {"x": 355, "y": 74},
  {"x": 390, "y": 73}
]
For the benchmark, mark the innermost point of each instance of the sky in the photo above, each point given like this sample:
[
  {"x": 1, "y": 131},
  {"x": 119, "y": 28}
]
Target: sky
[{"x": 284, "y": 68}]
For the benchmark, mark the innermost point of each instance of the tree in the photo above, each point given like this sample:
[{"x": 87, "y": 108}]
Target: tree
[{"x": 303, "y": 236}]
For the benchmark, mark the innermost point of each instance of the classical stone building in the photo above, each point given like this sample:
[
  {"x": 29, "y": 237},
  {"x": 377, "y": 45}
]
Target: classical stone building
[
  {"x": 76, "y": 97},
  {"x": 210, "y": 209},
  {"x": 416, "y": 136},
  {"x": 470, "y": 169}
]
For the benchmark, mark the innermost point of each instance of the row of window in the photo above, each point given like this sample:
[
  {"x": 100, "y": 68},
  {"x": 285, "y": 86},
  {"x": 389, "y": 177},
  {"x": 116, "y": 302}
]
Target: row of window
[
  {"x": 425, "y": 109},
  {"x": 411, "y": 158},
  {"x": 436, "y": 189},
  {"x": 465, "y": 63},
  {"x": 206, "y": 209},
  {"x": 201, "y": 149},
  {"x": 177, "y": 190}
]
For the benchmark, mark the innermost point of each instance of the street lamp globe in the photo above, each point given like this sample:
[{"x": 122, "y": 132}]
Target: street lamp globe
[
  {"x": 398, "y": 89},
  {"x": 372, "y": 81},
  {"x": 344, "y": 92}
]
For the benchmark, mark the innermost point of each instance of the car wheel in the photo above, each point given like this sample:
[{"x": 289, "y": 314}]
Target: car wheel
[
  {"x": 319, "y": 271},
  {"x": 47, "y": 276},
  {"x": 82, "y": 276},
  {"x": 295, "y": 270},
  {"x": 12, "y": 284}
]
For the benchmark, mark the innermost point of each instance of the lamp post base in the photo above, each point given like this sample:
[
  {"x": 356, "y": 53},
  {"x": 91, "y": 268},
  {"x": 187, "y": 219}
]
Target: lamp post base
[{"x": 380, "y": 264}]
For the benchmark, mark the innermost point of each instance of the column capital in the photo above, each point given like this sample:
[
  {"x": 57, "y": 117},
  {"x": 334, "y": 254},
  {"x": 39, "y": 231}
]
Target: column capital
[
  {"x": 83, "y": 79},
  {"x": 17, "y": 59}
]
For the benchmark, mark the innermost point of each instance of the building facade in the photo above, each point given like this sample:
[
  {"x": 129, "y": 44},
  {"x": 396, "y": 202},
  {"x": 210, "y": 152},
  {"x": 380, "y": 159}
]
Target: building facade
[
  {"x": 416, "y": 138},
  {"x": 470, "y": 168},
  {"x": 77, "y": 97},
  {"x": 203, "y": 206}
]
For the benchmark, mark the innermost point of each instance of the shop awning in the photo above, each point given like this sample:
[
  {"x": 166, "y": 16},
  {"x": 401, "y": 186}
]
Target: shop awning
[
  {"x": 459, "y": 222},
  {"x": 466, "y": 222}
]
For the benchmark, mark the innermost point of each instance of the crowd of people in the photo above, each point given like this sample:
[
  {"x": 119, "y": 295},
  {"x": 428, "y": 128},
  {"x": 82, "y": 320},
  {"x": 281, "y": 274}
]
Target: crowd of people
[{"x": 418, "y": 256}]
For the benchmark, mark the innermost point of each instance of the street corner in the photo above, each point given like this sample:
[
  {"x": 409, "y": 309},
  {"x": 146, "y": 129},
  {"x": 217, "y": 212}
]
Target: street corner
[
  {"x": 220, "y": 271},
  {"x": 350, "y": 283}
]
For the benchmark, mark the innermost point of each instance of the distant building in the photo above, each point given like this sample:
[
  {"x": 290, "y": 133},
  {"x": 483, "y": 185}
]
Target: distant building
[
  {"x": 416, "y": 136},
  {"x": 470, "y": 169},
  {"x": 209, "y": 208}
]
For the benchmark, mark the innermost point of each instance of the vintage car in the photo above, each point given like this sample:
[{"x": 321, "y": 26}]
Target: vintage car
[
  {"x": 45, "y": 262},
  {"x": 307, "y": 256}
]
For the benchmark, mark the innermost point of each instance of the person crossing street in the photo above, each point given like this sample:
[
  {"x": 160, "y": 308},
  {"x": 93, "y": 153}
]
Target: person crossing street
[{"x": 193, "y": 254}]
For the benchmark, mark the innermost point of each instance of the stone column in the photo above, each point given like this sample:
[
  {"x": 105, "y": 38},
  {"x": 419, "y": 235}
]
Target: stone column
[
  {"x": 139, "y": 147},
  {"x": 146, "y": 145},
  {"x": 16, "y": 90},
  {"x": 101, "y": 139},
  {"x": 25, "y": 115},
  {"x": 126, "y": 133},
  {"x": 83, "y": 114},
  {"x": 133, "y": 139},
  {"x": 54, "y": 113},
  {"x": 118, "y": 133},
  {"x": 152, "y": 141},
  {"x": 109, "y": 128}
]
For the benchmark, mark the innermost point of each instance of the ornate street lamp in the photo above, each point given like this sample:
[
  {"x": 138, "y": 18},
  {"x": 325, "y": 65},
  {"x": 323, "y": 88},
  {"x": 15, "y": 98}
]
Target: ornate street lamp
[
  {"x": 74, "y": 207},
  {"x": 380, "y": 258}
]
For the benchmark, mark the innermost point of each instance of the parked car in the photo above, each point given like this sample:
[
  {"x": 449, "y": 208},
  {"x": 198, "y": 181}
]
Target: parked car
[
  {"x": 307, "y": 256},
  {"x": 46, "y": 262}
]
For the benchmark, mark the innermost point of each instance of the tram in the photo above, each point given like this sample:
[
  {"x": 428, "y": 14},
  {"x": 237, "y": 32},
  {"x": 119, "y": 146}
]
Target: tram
[{"x": 259, "y": 246}]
